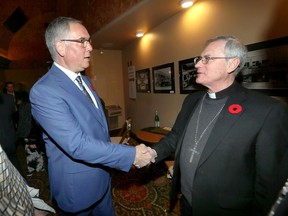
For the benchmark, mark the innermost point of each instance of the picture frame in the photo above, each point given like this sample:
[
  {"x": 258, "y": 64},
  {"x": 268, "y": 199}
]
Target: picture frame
[
  {"x": 266, "y": 67},
  {"x": 187, "y": 76},
  {"x": 163, "y": 78},
  {"x": 143, "y": 81}
]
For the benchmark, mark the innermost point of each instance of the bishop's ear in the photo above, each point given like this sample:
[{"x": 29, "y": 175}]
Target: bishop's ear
[{"x": 232, "y": 65}]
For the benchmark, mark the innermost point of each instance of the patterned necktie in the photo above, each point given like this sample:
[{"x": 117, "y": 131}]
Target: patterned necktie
[{"x": 83, "y": 89}]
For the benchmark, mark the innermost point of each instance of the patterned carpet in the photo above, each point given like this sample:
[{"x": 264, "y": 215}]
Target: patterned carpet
[
  {"x": 141, "y": 192},
  {"x": 37, "y": 180}
]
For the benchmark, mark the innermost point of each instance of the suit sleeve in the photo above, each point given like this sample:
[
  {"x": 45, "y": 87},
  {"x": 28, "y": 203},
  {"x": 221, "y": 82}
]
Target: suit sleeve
[{"x": 83, "y": 141}]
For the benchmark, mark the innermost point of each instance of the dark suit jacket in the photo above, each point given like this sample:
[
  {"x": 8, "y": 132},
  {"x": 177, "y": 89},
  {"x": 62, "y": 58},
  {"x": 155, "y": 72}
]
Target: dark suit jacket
[
  {"x": 241, "y": 161},
  {"x": 7, "y": 130},
  {"x": 77, "y": 141}
]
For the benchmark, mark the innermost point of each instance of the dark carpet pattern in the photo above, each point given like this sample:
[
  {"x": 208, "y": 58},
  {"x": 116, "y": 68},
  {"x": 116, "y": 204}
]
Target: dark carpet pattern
[{"x": 140, "y": 192}]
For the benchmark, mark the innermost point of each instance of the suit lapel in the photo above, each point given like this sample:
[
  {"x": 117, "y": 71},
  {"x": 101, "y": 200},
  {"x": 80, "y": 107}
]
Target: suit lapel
[
  {"x": 97, "y": 98},
  {"x": 68, "y": 85},
  {"x": 223, "y": 125}
]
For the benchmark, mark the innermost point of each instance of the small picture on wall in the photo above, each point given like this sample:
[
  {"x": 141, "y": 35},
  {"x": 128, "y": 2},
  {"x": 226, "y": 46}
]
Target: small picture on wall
[
  {"x": 188, "y": 73},
  {"x": 163, "y": 78},
  {"x": 143, "y": 81}
]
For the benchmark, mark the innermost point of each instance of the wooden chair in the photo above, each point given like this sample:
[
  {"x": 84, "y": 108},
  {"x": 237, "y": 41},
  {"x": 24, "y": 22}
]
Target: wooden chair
[{"x": 124, "y": 134}]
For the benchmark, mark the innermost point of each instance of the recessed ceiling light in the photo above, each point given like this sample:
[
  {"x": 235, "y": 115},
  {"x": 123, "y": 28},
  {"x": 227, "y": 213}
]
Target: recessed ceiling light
[
  {"x": 139, "y": 34},
  {"x": 186, "y": 3}
]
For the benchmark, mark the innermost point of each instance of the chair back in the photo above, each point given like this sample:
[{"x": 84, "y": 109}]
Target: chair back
[
  {"x": 125, "y": 130},
  {"x": 124, "y": 134}
]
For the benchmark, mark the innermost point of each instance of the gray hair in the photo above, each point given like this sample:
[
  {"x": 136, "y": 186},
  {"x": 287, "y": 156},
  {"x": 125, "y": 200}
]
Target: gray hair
[
  {"x": 233, "y": 48},
  {"x": 57, "y": 30}
]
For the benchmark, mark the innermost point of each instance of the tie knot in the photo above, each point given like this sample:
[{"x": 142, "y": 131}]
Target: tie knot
[{"x": 78, "y": 78}]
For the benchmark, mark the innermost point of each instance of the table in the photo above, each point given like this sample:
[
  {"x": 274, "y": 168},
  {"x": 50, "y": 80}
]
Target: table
[{"x": 150, "y": 135}]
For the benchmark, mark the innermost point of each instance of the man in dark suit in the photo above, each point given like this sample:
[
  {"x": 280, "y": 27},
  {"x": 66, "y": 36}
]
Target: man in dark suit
[
  {"x": 7, "y": 129},
  {"x": 9, "y": 90},
  {"x": 76, "y": 134},
  {"x": 229, "y": 142}
]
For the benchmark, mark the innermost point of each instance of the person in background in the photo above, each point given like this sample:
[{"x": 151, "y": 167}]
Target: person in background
[
  {"x": 7, "y": 129},
  {"x": 230, "y": 143},
  {"x": 28, "y": 135},
  {"x": 9, "y": 89},
  {"x": 20, "y": 87},
  {"x": 24, "y": 115},
  {"x": 75, "y": 129}
]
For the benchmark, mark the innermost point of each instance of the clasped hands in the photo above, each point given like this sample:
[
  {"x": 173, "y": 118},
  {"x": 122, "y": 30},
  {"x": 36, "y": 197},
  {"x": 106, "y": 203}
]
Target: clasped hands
[{"x": 144, "y": 156}]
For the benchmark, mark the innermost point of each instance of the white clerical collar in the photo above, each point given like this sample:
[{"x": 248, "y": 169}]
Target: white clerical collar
[{"x": 212, "y": 95}]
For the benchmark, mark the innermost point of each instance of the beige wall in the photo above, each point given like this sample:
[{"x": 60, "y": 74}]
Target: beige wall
[
  {"x": 105, "y": 73},
  {"x": 183, "y": 35}
]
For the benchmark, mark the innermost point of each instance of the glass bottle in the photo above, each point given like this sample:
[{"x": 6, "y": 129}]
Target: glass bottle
[{"x": 156, "y": 120}]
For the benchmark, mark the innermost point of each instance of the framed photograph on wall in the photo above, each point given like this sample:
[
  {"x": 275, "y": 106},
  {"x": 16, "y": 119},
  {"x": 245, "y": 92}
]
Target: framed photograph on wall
[
  {"x": 266, "y": 67},
  {"x": 163, "y": 78},
  {"x": 187, "y": 77},
  {"x": 143, "y": 81}
]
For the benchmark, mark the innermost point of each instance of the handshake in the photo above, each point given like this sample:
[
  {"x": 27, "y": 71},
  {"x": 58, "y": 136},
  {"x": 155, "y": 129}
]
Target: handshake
[{"x": 144, "y": 156}]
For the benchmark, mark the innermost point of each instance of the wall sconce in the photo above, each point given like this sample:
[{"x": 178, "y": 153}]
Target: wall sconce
[
  {"x": 186, "y": 3},
  {"x": 139, "y": 34}
]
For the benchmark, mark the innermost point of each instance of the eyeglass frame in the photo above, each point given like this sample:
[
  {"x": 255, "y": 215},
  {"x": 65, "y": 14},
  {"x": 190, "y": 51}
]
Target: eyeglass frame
[
  {"x": 206, "y": 59},
  {"x": 84, "y": 42}
]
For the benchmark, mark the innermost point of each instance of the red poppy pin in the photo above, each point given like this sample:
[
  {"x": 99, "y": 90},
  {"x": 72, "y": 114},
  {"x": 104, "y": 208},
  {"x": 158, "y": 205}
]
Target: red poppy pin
[
  {"x": 92, "y": 87},
  {"x": 235, "y": 109}
]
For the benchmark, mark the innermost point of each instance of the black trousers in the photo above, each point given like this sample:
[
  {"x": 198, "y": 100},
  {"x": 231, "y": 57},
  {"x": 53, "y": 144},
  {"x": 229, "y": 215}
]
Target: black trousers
[{"x": 186, "y": 209}]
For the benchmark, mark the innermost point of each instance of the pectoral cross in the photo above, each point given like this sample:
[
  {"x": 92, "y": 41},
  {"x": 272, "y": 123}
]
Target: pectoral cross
[{"x": 192, "y": 154}]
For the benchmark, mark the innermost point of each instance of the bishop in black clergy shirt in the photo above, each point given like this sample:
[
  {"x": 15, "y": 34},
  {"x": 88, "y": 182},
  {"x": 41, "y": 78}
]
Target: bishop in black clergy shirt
[{"x": 230, "y": 143}]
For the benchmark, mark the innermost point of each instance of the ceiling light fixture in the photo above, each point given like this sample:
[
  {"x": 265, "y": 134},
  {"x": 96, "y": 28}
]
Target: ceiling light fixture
[
  {"x": 186, "y": 3},
  {"x": 139, "y": 34}
]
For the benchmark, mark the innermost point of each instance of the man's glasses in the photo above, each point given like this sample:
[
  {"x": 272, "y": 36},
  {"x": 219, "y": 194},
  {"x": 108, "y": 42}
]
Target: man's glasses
[
  {"x": 84, "y": 42},
  {"x": 206, "y": 59}
]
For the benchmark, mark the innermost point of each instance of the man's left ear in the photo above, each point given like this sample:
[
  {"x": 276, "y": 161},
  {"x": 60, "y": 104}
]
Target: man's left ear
[
  {"x": 60, "y": 48},
  {"x": 233, "y": 64}
]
